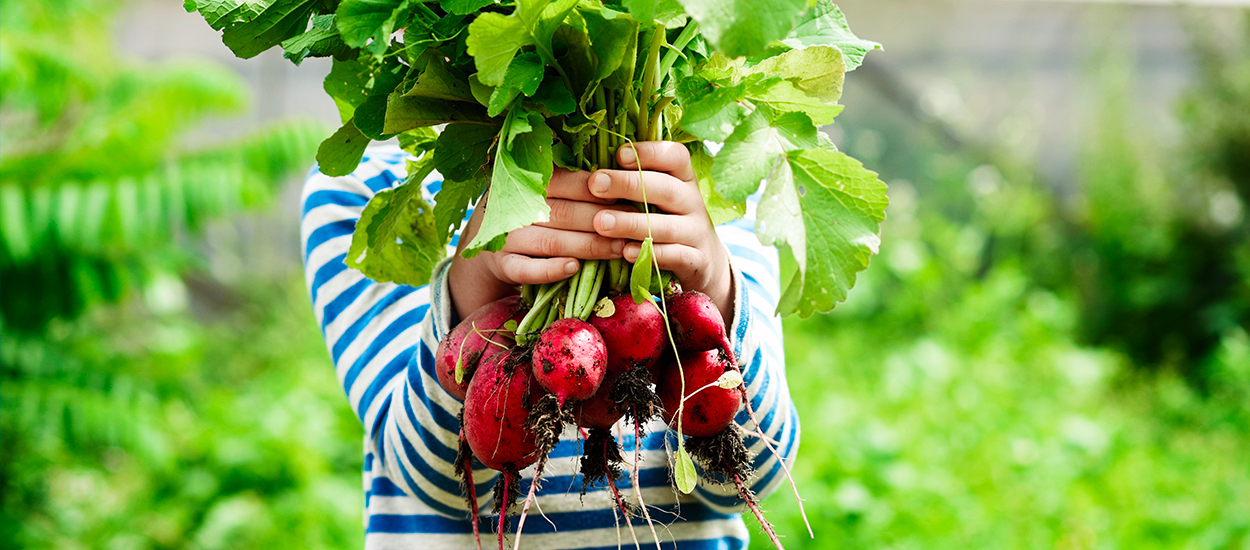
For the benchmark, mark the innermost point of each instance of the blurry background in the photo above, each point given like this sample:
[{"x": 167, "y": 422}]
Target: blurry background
[{"x": 1052, "y": 350}]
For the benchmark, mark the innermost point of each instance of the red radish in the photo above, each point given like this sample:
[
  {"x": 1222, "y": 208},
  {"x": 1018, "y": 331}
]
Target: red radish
[
  {"x": 697, "y": 323},
  {"x": 570, "y": 360},
  {"x": 634, "y": 334},
  {"x": 495, "y": 410},
  {"x": 599, "y": 411},
  {"x": 707, "y": 410},
  {"x": 469, "y": 346}
]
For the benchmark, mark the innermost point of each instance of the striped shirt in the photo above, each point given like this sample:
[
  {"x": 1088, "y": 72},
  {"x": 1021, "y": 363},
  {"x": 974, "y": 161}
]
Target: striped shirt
[{"x": 381, "y": 337}]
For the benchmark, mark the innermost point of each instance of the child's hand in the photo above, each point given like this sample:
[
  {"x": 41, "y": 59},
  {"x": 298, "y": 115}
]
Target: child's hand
[
  {"x": 685, "y": 242},
  {"x": 534, "y": 254}
]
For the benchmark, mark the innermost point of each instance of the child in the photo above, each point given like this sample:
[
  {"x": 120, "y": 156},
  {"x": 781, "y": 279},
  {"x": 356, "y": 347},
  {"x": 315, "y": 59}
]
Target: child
[{"x": 381, "y": 337}]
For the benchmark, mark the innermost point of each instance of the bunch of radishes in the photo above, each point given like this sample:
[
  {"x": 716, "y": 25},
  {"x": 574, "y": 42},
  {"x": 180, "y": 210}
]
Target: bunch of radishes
[{"x": 590, "y": 351}]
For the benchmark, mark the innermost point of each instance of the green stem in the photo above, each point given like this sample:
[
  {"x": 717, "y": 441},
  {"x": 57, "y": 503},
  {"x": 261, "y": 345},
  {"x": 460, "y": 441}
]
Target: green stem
[
  {"x": 649, "y": 85},
  {"x": 574, "y": 282},
  {"x": 656, "y": 131},
  {"x": 585, "y": 288},
  {"x": 589, "y": 305},
  {"x": 683, "y": 39},
  {"x": 553, "y": 313},
  {"x": 601, "y": 103},
  {"x": 614, "y": 274},
  {"x": 540, "y": 304}
]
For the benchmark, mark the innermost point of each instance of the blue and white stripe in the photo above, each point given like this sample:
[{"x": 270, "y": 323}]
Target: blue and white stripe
[{"x": 381, "y": 337}]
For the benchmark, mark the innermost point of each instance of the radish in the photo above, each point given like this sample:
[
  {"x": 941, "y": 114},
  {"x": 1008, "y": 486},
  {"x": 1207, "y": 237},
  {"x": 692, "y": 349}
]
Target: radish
[
  {"x": 599, "y": 411},
  {"x": 708, "y": 408},
  {"x": 496, "y": 408},
  {"x": 697, "y": 323},
  {"x": 471, "y": 340},
  {"x": 633, "y": 334},
  {"x": 570, "y": 360}
]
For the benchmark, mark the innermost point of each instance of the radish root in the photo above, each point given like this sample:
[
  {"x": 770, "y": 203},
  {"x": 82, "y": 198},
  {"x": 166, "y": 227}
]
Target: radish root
[
  {"x": 780, "y": 459},
  {"x": 464, "y": 468}
]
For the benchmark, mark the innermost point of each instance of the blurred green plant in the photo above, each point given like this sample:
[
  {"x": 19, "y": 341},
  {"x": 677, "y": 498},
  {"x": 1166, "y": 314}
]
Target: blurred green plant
[
  {"x": 1160, "y": 242},
  {"x": 957, "y": 401},
  {"x": 96, "y": 186},
  {"x": 100, "y": 419}
]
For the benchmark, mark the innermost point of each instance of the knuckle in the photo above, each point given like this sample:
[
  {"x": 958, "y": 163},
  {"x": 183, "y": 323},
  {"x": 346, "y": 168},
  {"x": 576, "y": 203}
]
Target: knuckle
[
  {"x": 547, "y": 244},
  {"x": 561, "y": 211}
]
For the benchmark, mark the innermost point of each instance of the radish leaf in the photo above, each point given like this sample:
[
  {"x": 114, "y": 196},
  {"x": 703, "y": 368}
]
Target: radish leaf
[
  {"x": 640, "y": 277},
  {"x": 518, "y": 184},
  {"x": 462, "y": 150},
  {"x": 683, "y": 471},
  {"x": 825, "y": 24},
  {"x": 750, "y": 154},
  {"x": 339, "y": 154},
  {"x": 744, "y": 27},
  {"x": 843, "y": 204},
  {"x": 400, "y": 243}
]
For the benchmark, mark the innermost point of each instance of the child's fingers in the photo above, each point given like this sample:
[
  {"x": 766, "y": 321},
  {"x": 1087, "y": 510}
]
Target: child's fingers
[
  {"x": 518, "y": 269},
  {"x": 688, "y": 263},
  {"x": 662, "y": 190},
  {"x": 663, "y": 228},
  {"x": 566, "y": 184},
  {"x": 661, "y": 156},
  {"x": 546, "y": 242},
  {"x": 576, "y": 215}
]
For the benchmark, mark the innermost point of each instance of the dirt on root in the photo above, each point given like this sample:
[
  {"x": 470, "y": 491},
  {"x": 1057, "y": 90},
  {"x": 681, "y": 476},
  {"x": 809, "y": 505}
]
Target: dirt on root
[
  {"x": 633, "y": 390},
  {"x": 601, "y": 459},
  {"x": 724, "y": 454},
  {"x": 547, "y": 421}
]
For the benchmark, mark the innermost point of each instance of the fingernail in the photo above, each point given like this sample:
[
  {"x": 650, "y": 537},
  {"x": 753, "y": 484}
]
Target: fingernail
[
  {"x": 607, "y": 221},
  {"x": 630, "y": 253},
  {"x": 618, "y": 247},
  {"x": 570, "y": 267},
  {"x": 599, "y": 184},
  {"x": 627, "y": 154}
]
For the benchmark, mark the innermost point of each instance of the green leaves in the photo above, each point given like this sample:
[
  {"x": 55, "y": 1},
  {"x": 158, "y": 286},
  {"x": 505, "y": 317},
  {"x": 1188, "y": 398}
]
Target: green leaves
[
  {"x": 843, "y": 205},
  {"x": 744, "y": 27},
  {"x": 439, "y": 82},
  {"x": 495, "y": 38},
  {"x": 751, "y": 153},
  {"x": 825, "y": 24},
  {"x": 524, "y": 75},
  {"x": 641, "y": 275},
  {"x": 247, "y": 34},
  {"x": 371, "y": 22},
  {"x": 399, "y": 241},
  {"x": 406, "y": 112},
  {"x": 460, "y": 153},
  {"x": 818, "y": 71},
  {"x": 758, "y": 75},
  {"x": 339, "y": 154},
  {"x": 518, "y": 183},
  {"x": 683, "y": 470}
]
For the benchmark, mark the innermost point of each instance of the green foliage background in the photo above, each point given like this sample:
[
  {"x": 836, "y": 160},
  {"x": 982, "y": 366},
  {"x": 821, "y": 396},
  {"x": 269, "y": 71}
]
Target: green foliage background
[{"x": 1016, "y": 370}]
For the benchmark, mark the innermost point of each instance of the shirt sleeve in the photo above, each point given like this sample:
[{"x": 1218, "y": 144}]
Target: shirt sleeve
[
  {"x": 381, "y": 338},
  {"x": 755, "y": 334}
]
